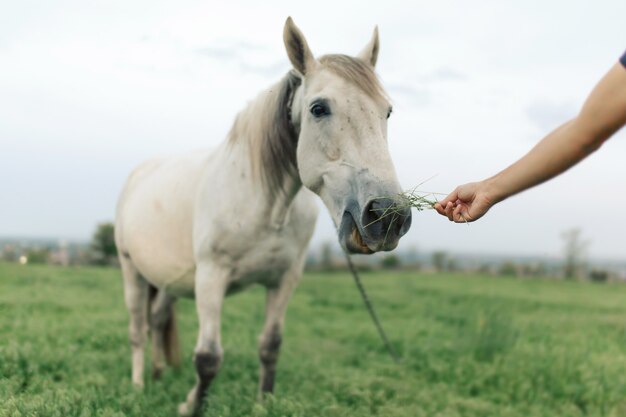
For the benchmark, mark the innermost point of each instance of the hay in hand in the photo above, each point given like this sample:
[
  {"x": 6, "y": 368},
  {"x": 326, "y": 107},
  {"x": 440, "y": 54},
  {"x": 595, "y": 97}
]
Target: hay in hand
[
  {"x": 418, "y": 200},
  {"x": 412, "y": 199}
]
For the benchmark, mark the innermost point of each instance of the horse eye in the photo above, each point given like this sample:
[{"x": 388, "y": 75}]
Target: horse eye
[
  {"x": 319, "y": 110},
  {"x": 389, "y": 113}
]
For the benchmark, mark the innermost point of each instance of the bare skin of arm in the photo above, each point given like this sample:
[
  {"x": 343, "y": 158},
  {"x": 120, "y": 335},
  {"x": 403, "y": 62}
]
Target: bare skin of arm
[{"x": 603, "y": 114}]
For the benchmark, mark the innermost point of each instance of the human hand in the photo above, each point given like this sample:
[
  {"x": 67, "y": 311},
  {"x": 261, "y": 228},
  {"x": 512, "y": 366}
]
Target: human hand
[{"x": 466, "y": 203}]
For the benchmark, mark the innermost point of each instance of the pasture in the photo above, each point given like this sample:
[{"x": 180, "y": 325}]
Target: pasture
[{"x": 471, "y": 346}]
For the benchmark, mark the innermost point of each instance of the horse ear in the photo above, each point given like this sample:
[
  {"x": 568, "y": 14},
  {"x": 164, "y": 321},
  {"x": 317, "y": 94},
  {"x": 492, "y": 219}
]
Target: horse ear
[
  {"x": 369, "y": 54},
  {"x": 297, "y": 49}
]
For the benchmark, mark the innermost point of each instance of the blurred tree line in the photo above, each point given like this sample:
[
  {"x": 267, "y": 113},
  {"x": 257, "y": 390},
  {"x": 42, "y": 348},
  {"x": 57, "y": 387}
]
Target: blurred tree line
[
  {"x": 103, "y": 249},
  {"x": 572, "y": 265}
]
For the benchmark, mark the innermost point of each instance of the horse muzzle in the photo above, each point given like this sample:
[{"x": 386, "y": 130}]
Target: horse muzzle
[{"x": 377, "y": 227}]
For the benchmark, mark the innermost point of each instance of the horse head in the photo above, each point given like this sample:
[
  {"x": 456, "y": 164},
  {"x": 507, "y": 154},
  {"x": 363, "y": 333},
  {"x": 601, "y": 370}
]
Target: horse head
[{"x": 341, "y": 113}]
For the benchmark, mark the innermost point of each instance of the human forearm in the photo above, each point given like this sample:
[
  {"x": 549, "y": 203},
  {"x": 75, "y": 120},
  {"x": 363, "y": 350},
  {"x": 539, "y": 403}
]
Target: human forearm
[
  {"x": 557, "y": 152},
  {"x": 602, "y": 115}
]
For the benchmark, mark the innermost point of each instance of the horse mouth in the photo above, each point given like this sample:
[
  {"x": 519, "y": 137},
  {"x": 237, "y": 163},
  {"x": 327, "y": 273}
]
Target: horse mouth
[{"x": 350, "y": 236}]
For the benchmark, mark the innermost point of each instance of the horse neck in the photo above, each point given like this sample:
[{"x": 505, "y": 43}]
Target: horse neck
[{"x": 267, "y": 133}]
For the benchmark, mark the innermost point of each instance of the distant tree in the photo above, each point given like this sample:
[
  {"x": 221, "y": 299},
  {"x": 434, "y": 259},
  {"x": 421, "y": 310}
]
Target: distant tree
[
  {"x": 485, "y": 268},
  {"x": 103, "y": 247},
  {"x": 575, "y": 251},
  {"x": 391, "y": 262},
  {"x": 439, "y": 259},
  {"x": 508, "y": 268},
  {"x": 37, "y": 255},
  {"x": 452, "y": 265},
  {"x": 599, "y": 275},
  {"x": 310, "y": 262}
]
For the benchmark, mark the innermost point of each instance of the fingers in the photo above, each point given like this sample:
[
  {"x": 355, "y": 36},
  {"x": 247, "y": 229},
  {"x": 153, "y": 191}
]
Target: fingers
[
  {"x": 448, "y": 210},
  {"x": 442, "y": 205},
  {"x": 451, "y": 210},
  {"x": 459, "y": 215},
  {"x": 458, "y": 204},
  {"x": 454, "y": 212},
  {"x": 457, "y": 212}
]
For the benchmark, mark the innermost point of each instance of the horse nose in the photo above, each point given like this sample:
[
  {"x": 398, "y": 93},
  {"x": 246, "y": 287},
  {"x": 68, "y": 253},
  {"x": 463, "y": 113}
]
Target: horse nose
[{"x": 385, "y": 219}]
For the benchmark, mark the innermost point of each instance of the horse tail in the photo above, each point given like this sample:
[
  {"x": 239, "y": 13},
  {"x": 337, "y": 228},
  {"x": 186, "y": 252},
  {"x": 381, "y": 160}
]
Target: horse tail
[{"x": 172, "y": 344}]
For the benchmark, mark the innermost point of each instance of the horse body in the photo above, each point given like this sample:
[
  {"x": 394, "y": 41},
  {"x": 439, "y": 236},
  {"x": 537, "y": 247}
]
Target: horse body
[
  {"x": 210, "y": 223},
  {"x": 172, "y": 215}
]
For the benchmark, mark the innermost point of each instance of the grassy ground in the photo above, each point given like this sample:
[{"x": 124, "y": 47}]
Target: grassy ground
[{"x": 471, "y": 346}]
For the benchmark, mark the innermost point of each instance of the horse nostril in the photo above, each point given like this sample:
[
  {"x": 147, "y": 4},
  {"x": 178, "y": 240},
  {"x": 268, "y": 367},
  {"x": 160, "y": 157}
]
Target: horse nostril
[
  {"x": 381, "y": 208},
  {"x": 383, "y": 217},
  {"x": 371, "y": 217}
]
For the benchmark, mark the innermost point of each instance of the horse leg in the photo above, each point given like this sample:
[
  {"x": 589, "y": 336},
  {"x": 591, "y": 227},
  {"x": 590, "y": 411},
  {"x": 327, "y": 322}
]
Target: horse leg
[
  {"x": 136, "y": 297},
  {"x": 271, "y": 336},
  {"x": 210, "y": 291},
  {"x": 161, "y": 309}
]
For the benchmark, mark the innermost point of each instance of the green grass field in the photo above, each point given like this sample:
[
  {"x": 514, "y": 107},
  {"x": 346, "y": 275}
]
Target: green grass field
[{"x": 471, "y": 346}]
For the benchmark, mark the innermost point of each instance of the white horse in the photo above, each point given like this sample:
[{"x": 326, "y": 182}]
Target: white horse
[{"x": 210, "y": 223}]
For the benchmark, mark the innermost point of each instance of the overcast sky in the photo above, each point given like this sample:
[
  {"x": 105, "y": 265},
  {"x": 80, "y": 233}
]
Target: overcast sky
[{"x": 90, "y": 89}]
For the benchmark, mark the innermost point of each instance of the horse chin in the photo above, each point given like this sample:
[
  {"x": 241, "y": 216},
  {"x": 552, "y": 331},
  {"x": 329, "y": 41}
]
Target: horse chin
[{"x": 350, "y": 237}]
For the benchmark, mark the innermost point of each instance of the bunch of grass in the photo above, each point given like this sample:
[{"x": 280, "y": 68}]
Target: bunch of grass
[
  {"x": 412, "y": 199},
  {"x": 417, "y": 200}
]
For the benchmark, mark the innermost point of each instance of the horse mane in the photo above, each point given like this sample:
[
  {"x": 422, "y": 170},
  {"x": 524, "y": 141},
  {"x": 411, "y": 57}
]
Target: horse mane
[
  {"x": 280, "y": 139},
  {"x": 267, "y": 125}
]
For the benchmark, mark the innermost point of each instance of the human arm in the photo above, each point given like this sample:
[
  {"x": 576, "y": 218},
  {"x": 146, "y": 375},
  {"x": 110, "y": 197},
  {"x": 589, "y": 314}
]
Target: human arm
[{"x": 603, "y": 114}]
